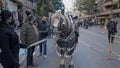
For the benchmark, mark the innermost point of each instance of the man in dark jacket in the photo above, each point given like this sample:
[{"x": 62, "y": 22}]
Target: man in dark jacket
[
  {"x": 9, "y": 42},
  {"x": 43, "y": 30},
  {"x": 112, "y": 29}
]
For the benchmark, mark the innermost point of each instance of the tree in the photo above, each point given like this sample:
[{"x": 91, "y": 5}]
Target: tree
[
  {"x": 86, "y": 6},
  {"x": 46, "y": 6},
  {"x": 58, "y": 4}
]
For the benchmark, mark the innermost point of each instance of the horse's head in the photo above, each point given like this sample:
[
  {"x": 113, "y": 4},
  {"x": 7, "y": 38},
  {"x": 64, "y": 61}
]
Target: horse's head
[{"x": 62, "y": 24}]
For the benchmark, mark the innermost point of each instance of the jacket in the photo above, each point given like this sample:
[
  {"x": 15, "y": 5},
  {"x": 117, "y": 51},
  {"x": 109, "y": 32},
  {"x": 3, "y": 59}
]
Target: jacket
[
  {"x": 9, "y": 45},
  {"x": 112, "y": 26},
  {"x": 27, "y": 34},
  {"x": 43, "y": 29}
]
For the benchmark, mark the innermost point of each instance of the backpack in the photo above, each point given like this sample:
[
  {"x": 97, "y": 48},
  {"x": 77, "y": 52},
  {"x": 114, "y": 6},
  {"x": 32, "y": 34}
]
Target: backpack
[{"x": 113, "y": 26}]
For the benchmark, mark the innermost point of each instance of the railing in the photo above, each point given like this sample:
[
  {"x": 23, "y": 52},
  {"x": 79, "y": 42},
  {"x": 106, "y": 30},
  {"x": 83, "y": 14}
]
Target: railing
[{"x": 24, "y": 55}]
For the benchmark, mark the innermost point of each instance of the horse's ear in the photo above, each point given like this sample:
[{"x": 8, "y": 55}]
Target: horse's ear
[{"x": 76, "y": 17}]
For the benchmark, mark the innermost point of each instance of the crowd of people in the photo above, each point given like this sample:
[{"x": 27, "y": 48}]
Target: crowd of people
[{"x": 33, "y": 30}]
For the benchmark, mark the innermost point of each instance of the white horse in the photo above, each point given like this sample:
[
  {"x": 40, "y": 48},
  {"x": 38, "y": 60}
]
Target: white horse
[{"x": 64, "y": 29}]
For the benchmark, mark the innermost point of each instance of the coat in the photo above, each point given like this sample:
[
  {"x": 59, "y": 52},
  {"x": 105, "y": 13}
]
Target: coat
[
  {"x": 9, "y": 45},
  {"x": 112, "y": 26},
  {"x": 43, "y": 29},
  {"x": 27, "y": 34}
]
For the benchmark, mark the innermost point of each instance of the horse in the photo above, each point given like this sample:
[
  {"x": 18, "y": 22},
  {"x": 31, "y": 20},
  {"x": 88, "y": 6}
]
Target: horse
[{"x": 63, "y": 27}]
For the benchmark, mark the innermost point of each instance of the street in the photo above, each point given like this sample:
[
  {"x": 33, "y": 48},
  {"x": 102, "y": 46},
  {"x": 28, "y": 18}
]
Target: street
[
  {"x": 91, "y": 52},
  {"x": 25, "y": 22}
]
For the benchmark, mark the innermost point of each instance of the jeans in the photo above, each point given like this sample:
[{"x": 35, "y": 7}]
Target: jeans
[
  {"x": 109, "y": 36},
  {"x": 43, "y": 47},
  {"x": 30, "y": 55},
  {"x": 49, "y": 32}
]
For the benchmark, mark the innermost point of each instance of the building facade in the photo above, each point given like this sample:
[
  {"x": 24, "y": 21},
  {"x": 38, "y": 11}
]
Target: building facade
[
  {"x": 107, "y": 9},
  {"x": 19, "y": 8}
]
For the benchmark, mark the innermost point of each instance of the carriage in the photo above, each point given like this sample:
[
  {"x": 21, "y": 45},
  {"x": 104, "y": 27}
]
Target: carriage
[{"x": 66, "y": 37}]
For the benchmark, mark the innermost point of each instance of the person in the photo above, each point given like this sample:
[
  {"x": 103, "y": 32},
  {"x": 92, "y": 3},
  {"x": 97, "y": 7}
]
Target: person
[
  {"x": 9, "y": 42},
  {"x": 43, "y": 30},
  {"x": 20, "y": 18},
  {"x": 112, "y": 29},
  {"x": 29, "y": 34}
]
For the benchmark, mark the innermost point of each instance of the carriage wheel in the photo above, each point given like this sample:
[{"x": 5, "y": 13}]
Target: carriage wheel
[
  {"x": 62, "y": 66},
  {"x": 71, "y": 66}
]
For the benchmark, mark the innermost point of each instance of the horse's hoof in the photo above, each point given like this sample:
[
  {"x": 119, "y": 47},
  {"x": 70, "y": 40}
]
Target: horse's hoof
[
  {"x": 71, "y": 66},
  {"x": 62, "y": 66}
]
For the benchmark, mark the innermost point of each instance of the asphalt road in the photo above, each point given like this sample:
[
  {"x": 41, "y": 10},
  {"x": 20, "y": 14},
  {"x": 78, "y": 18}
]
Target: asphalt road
[{"x": 92, "y": 52}]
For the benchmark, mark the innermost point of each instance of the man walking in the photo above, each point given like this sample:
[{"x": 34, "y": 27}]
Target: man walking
[
  {"x": 43, "y": 30},
  {"x": 112, "y": 29}
]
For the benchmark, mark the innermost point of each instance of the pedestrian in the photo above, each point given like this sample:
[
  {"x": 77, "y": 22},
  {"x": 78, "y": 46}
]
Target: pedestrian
[
  {"x": 112, "y": 29},
  {"x": 9, "y": 42},
  {"x": 43, "y": 30},
  {"x": 20, "y": 18},
  {"x": 29, "y": 34}
]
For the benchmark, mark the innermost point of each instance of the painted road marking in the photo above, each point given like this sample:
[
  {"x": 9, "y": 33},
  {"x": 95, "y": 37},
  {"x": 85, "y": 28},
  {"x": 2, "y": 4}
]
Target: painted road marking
[
  {"x": 98, "y": 34},
  {"x": 94, "y": 33},
  {"x": 86, "y": 44}
]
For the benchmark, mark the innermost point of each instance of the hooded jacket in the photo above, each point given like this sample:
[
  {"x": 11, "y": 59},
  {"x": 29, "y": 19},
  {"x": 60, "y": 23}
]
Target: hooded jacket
[{"x": 9, "y": 43}]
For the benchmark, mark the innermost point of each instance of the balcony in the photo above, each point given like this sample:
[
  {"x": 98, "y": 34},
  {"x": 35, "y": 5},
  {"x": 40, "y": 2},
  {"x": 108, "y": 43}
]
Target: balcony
[
  {"x": 106, "y": 13},
  {"x": 26, "y": 3},
  {"x": 115, "y": 1},
  {"x": 116, "y": 11},
  {"x": 108, "y": 3}
]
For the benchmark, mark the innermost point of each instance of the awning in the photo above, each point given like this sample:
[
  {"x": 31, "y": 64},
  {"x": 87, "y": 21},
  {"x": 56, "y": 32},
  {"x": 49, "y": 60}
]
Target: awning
[
  {"x": 108, "y": 12},
  {"x": 116, "y": 11},
  {"x": 108, "y": 3}
]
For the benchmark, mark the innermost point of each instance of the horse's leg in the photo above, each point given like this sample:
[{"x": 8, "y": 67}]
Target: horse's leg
[{"x": 62, "y": 63}]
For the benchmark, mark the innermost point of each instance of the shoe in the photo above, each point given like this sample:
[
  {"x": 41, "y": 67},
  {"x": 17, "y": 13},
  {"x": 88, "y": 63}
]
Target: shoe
[
  {"x": 45, "y": 56},
  {"x": 34, "y": 65},
  {"x": 39, "y": 55}
]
